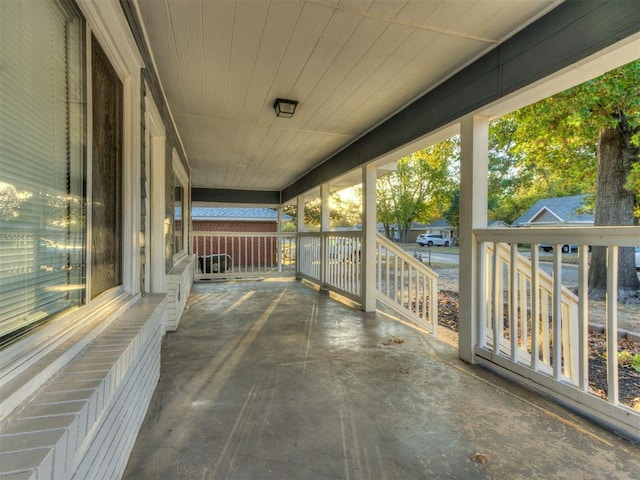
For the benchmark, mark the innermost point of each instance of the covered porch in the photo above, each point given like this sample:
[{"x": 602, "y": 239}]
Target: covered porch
[
  {"x": 276, "y": 378},
  {"x": 271, "y": 379}
]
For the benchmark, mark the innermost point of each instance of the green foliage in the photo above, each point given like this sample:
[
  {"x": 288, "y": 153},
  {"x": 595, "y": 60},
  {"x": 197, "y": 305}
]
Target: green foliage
[
  {"x": 288, "y": 227},
  {"x": 628, "y": 359},
  {"x": 420, "y": 188},
  {"x": 549, "y": 148},
  {"x": 344, "y": 212},
  {"x": 452, "y": 214}
]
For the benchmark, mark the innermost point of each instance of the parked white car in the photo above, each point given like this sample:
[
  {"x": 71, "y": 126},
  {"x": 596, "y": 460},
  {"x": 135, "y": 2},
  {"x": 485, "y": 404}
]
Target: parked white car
[
  {"x": 565, "y": 248},
  {"x": 430, "y": 240},
  {"x": 637, "y": 249}
]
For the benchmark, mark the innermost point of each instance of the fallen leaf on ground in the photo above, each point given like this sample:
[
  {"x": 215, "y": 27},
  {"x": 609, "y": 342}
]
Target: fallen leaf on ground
[{"x": 481, "y": 458}]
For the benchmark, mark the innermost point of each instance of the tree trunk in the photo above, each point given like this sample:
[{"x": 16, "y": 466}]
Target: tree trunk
[
  {"x": 404, "y": 231},
  {"x": 387, "y": 231},
  {"x": 614, "y": 206}
]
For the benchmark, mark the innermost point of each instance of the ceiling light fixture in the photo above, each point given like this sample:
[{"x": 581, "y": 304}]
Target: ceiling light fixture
[{"x": 284, "y": 108}]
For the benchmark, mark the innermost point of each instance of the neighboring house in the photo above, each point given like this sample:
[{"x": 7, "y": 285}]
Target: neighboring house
[
  {"x": 260, "y": 250},
  {"x": 440, "y": 227},
  {"x": 557, "y": 211},
  {"x": 497, "y": 224},
  {"x": 229, "y": 219}
]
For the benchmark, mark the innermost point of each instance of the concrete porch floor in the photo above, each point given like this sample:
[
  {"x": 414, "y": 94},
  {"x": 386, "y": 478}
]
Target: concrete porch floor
[{"x": 273, "y": 380}]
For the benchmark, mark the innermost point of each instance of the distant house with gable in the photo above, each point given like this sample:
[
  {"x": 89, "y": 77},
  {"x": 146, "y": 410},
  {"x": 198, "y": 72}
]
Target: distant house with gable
[
  {"x": 497, "y": 224},
  {"x": 556, "y": 211}
]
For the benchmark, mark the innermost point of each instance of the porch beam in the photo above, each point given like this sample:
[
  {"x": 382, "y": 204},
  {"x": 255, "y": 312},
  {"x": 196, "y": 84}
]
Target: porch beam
[
  {"x": 474, "y": 150},
  {"x": 224, "y": 195}
]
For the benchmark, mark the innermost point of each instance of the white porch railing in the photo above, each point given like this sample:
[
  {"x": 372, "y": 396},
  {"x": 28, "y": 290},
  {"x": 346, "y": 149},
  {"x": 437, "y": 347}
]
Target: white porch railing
[
  {"x": 406, "y": 285},
  {"x": 403, "y": 283},
  {"x": 235, "y": 254},
  {"x": 531, "y": 325},
  {"x": 510, "y": 307},
  {"x": 342, "y": 270}
]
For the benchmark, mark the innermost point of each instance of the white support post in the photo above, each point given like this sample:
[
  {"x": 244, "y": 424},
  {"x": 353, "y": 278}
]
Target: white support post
[
  {"x": 279, "y": 241},
  {"x": 611, "y": 302},
  {"x": 369, "y": 238},
  {"x": 474, "y": 143},
  {"x": 157, "y": 199},
  {"x": 299, "y": 228},
  {"x": 325, "y": 211}
]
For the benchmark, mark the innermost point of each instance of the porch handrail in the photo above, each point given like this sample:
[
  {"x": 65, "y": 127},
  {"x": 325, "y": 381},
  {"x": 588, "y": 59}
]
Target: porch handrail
[
  {"x": 242, "y": 254},
  {"x": 515, "y": 293},
  {"x": 333, "y": 260},
  {"x": 406, "y": 285},
  {"x": 545, "y": 338},
  {"x": 621, "y": 236}
]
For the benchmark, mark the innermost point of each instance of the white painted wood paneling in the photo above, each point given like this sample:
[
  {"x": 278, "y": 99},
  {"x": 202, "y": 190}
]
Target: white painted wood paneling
[{"x": 350, "y": 64}]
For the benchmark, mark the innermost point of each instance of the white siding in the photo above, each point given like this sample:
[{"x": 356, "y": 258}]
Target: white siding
[{"x": 179, "y": 282}]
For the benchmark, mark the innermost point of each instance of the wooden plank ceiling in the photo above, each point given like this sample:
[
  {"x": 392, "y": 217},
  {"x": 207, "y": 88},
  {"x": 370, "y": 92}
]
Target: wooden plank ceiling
[{"x": 350, "y": 63}]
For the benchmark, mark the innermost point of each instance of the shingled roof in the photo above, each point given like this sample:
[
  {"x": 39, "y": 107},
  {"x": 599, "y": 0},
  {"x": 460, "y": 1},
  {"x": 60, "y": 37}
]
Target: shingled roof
[{"x": 555, "y": 211}]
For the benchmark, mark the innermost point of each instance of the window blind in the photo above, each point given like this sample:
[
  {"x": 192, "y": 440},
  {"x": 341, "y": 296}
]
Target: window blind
[{"x": 41, "y": 162}]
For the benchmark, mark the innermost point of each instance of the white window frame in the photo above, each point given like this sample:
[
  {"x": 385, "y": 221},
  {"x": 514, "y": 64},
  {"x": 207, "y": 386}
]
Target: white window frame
[{"x": 58, "y": 341}]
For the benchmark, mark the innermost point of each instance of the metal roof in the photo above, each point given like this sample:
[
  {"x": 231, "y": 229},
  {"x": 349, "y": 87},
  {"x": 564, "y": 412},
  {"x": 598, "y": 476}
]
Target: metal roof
[{"x": 249, "y": 214}]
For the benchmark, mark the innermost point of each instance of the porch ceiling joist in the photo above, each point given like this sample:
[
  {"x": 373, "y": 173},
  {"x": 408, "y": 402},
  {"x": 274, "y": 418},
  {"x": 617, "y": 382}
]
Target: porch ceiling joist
[{"x": 566, "y": 35}]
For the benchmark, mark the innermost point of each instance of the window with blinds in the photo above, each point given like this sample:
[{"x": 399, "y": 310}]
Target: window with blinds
[{"x": 42, "y": 117}]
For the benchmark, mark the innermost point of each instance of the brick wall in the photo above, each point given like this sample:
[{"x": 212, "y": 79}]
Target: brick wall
[
  {"x": 237, "y": 226},
  {"x": 257, "y": 251},
  {"x": 84, "y": 421}
]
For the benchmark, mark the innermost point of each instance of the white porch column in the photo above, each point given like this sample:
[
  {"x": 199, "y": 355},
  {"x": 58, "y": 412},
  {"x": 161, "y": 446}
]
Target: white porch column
[
  {"x": 474, "y": 144},
  {"x": 325, "y": 211},
  {"x": 299, "y": 228},
  {"x": 279, "y": 230},
  {"x": 369, "y": 238},
  {"x": 158, "y": 282}
]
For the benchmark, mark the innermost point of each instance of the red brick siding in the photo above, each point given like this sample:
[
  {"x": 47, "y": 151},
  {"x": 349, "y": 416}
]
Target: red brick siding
[
  {"x": 219, "y": 226},
  {"x": 257, "y": 252}
]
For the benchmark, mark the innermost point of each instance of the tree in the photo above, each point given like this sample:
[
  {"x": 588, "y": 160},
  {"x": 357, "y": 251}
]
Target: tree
[
  {"x": 582, "y": 140},
  {"x": 344, "y": 212},
  {"x": 614, "y": 204},
  {"x": 452, "y": 214},
  {"x": 420, "y": 188}
]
